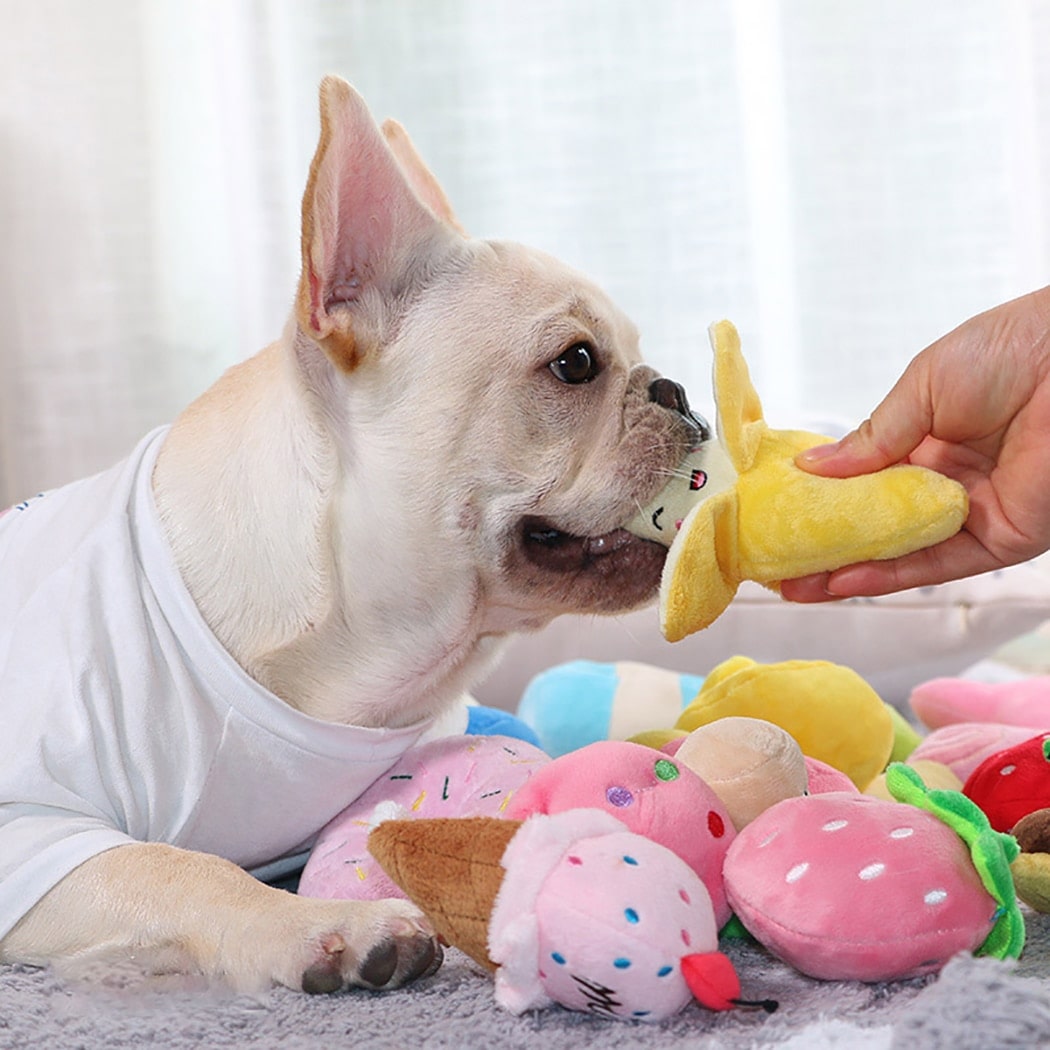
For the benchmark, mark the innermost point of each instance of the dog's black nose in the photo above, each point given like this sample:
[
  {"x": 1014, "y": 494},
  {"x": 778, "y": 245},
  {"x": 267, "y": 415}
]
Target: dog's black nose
[{"x": 669, "y": 394}]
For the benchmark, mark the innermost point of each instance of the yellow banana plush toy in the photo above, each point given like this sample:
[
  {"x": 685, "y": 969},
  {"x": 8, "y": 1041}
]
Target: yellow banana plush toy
[{"x": 741, "y": 510}]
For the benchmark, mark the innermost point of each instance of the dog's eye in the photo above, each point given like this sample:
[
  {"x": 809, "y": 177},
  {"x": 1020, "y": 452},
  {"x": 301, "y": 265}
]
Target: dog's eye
[{"x": 578, "y": 364}]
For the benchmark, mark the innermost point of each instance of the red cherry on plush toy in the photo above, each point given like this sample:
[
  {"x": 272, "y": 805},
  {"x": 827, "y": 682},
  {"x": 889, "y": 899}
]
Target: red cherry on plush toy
[
  {"x": 1012, "y": 783},
  {"x": 711, "y": 978}
]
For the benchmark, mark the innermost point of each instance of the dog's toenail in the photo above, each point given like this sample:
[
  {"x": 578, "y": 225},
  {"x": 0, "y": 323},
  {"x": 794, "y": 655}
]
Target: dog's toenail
[{"x": 378, "y": 968}]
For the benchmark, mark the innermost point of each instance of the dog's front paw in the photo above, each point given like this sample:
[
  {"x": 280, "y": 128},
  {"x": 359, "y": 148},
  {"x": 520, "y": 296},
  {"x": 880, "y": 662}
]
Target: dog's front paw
[
  {"x": 334, "y": 945},
  {"x": 403, "y": 948}
]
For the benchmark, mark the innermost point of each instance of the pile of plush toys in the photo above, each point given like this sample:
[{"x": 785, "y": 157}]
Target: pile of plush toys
[{"x": 784, "y": 802}]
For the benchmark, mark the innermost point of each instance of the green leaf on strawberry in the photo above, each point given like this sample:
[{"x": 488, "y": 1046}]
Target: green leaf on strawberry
[{"x": 992, "y": 852}]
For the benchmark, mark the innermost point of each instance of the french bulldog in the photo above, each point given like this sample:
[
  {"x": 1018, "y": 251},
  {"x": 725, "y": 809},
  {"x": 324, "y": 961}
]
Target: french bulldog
[{"x": 211, "y": 649}]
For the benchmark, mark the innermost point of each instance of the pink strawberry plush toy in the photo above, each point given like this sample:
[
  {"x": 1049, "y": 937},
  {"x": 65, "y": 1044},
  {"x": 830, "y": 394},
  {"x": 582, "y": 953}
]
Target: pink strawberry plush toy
[{"x": 850, "y": 887}]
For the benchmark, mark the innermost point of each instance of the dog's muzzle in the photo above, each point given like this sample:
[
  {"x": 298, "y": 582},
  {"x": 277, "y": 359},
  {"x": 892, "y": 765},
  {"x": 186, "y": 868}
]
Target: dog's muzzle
[{"x": 669, "y": 394}]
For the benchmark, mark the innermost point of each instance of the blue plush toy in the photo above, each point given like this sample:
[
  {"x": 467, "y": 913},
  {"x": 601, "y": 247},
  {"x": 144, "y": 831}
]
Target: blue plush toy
[
  {"x": 491, "y": 721},
  {"x": 580, "y": 702}
]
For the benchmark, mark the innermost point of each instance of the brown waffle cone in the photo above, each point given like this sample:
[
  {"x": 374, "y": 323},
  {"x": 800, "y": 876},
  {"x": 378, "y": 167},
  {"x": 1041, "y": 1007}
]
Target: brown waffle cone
[{"x": 450, "y": 868}]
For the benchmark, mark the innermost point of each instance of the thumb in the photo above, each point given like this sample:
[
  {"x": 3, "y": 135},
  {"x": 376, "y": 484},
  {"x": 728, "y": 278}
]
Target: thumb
[{"x": 889, "y": 435}]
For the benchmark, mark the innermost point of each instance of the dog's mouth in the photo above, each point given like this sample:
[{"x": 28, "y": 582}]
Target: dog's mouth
[{"x": 619, "y": 551}]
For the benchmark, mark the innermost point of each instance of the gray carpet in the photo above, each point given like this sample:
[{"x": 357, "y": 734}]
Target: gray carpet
[{"x": 975, "y": 1004}]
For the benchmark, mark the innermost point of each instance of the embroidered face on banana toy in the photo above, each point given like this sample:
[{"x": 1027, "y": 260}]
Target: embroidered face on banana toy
[{"x": 739, "y": 509}]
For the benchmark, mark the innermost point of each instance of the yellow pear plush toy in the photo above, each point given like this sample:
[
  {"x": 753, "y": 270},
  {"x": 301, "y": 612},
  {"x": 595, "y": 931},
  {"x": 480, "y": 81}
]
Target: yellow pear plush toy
[{"x": 744, "y": 511}]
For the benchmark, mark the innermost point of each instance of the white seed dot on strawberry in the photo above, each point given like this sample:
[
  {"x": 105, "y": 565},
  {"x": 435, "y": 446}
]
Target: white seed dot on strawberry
[
  {"x": 872, "y": 871},
  {"x": 835, "y": 825},
  {"x": 902, "y": 833},
  {"x": 797, "y": 872},
  {"x": 936, "y": 897}
]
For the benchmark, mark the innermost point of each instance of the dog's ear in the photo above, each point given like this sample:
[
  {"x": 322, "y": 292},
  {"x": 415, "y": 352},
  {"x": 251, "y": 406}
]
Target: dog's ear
[
  {"x": 364, "y": 229},
  {"x": 419, "y": 175}
]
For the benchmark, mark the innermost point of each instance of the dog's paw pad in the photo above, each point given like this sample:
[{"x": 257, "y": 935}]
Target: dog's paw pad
[
  {"x": 380, "y": 964},
  {"x": 322, "y": 978},
  {"x": 427, "y": 960},
  {"x": 326, "y": 975},
  {"x": 397, "y": 961}
]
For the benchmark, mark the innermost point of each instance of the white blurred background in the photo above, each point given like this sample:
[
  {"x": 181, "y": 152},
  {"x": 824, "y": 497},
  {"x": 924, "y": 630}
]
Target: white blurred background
[{"x": 845, "y": 179}]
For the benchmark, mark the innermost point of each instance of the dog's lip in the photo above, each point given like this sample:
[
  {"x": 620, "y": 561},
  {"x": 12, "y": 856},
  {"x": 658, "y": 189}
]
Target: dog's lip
[{"x": 553, "y": 548}]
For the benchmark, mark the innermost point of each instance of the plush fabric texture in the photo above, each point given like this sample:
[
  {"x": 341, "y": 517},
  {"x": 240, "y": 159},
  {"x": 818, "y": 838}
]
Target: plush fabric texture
[
  {"x": 652, "y": 794},
  {"x": 749, "y": 763},
  {"x": 706, "y": 471},
  {"x": 491, "y": 721},
  {"x": 823, "y": 778},
  {"x": 934, "y": 775},
  {"x": 963, "y": 746},
  {"x": 1032, "y": 832},
  {"x": 587, "y": 914},
  {"x": 1031, "y": 868},
  {"x": 451, "y": 869},
  {"x": 1012, "y": 783},
  {"x": 945, "y": 701},
  {"x": 778, "y": 522},
  {"x": 905, "y": 737},
  {"x": 573, "y": 704},
  {"x": 991, "y": 852},
  {"x": 845, "y": 886},
  {"x": 666, "y": 740},
  {"x": 596, "y": 918},
  {"x": 1031, "y": 875},
  {"x": 542, "y": 844},
  {"x": 830, "y": 710},
  {"x": 457, "y": 776}
]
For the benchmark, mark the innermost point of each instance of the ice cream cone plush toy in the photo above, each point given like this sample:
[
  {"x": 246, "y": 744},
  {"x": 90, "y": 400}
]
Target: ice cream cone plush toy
[
  {"x": 746, "y": 512},
  {"x": 570, "y": 908}
]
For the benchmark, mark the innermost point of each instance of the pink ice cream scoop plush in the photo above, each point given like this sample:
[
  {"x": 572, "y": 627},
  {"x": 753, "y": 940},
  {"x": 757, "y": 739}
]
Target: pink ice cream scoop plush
[
  {"x": 455, "y": 776},
  {"x": 571, "y": 908},
  {"x": 651, "y": 793}
]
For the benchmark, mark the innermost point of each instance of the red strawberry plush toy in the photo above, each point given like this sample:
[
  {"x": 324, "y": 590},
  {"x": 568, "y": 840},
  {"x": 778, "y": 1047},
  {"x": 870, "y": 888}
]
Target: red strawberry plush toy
[{"x": 1012, "y": 783}]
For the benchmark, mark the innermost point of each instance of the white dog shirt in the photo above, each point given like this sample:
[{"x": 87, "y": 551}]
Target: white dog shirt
[{"x": 123, "y": 717}]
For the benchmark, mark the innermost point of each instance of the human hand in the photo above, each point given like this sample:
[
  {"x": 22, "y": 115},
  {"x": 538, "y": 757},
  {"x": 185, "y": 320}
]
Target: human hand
[{"x": 975, "y": 405}]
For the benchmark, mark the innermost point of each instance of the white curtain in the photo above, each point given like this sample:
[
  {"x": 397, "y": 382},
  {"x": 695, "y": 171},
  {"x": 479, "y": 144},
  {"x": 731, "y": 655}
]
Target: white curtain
[{"x": 846, "y": 179}]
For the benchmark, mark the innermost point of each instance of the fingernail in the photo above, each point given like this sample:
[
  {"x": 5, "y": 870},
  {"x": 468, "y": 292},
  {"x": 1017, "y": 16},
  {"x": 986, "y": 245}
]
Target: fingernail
[{"x": 819, "y": 452}]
